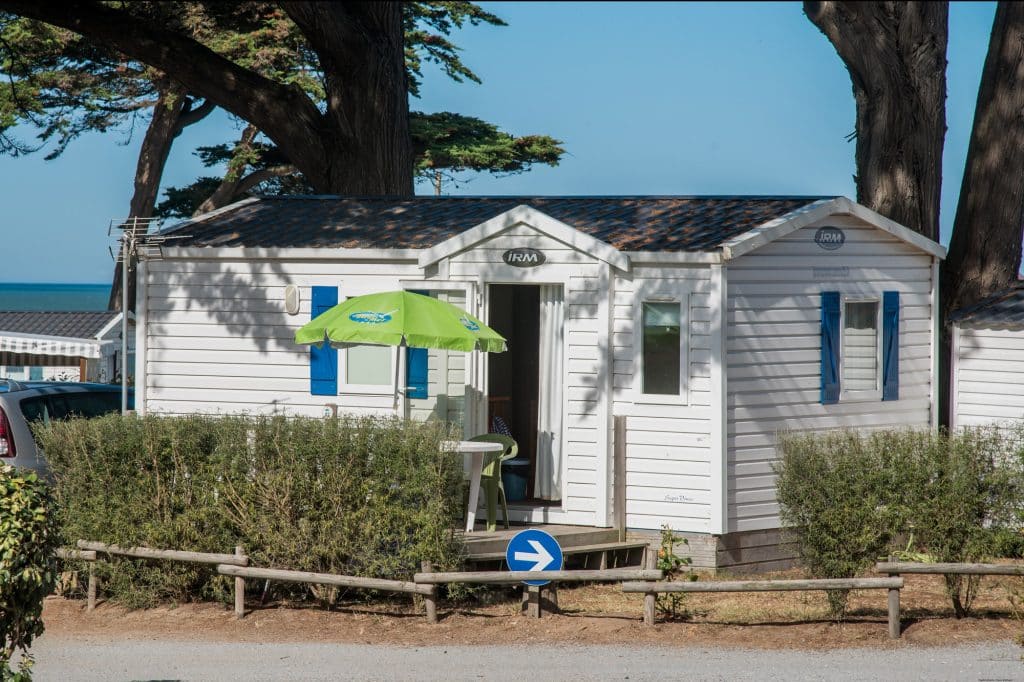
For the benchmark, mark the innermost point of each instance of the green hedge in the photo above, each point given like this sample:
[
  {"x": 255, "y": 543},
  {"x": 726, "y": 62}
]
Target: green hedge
[
  {"x": 358, "y": 496},
  {"x": 852, "y": 499},
  {"x": 28, "y": 569}
]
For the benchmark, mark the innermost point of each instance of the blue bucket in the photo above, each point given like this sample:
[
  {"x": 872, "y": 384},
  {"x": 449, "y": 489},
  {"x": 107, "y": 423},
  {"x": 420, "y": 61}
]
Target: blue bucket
[{"x": 514, "y": 473}]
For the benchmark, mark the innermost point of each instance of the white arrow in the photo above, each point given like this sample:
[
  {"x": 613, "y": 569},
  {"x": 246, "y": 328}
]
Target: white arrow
[{"x": 540, "y": 556}]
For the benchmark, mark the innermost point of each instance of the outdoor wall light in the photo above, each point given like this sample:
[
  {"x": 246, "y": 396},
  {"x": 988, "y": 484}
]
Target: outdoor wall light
[{"x": 291, "y": 299}]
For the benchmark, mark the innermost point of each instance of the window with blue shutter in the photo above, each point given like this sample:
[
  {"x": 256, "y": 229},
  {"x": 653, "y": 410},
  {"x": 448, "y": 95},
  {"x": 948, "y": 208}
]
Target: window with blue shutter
[
  {"x": 829, "y": 347},
  {"x": 891, "y": 345},
  {"x": 416, "y": 368},
  {"x": 323, "y": 361}
]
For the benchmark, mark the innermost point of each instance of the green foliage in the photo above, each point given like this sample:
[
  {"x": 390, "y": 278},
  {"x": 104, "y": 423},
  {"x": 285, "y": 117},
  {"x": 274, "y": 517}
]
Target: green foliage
[
  {"x": 28, "y": 571},
  {"x": 852, "y": 498},
  {"x": 369, "y": 497},
  {"x": 673, "y": 604}
]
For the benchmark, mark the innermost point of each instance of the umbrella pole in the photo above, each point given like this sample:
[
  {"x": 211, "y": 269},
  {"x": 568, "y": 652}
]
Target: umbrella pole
[{"x": 398, "y": 362}]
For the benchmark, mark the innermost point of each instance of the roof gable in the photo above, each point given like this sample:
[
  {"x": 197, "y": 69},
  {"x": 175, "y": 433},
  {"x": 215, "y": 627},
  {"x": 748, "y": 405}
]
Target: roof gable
[
  {"x": 531, "y": 217},
  {"x": 72, "y": 324},
  {"x": 820, "y": 210}
]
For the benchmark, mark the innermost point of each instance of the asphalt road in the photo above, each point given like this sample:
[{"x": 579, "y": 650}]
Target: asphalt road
[{"x": 58, "y": 659}]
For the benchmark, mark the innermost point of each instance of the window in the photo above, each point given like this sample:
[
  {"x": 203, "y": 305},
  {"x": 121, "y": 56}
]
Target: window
[
  {"x": 860, "y": 362},
  {"x": 368, "y": 366},
  {"x": 661, "y": 348}
]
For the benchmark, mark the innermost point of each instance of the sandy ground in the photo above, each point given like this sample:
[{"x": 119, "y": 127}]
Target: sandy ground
[{"x": 589, "y": 615}]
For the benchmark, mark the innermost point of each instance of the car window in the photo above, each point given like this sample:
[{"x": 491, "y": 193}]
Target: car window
[
  {"x": 35, "y": 409},
  {"x": 91, "y": 404}
]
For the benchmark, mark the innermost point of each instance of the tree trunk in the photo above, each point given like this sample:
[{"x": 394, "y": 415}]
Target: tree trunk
[
  {"x": 172, "y": 112},
  {"x": 985, "y": 250},
  {"x": 895, "y": 53}
]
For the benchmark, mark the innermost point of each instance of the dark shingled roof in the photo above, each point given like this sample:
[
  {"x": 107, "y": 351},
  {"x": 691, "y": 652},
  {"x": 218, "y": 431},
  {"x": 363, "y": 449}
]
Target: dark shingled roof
[
  {"x": 627, "y": 223},
  {"x": 73, "y": 325},
  {"x": 1003, "y": 309}
]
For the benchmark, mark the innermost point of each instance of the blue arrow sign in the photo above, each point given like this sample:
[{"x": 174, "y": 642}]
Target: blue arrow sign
[{"x": 533, "y": 550}]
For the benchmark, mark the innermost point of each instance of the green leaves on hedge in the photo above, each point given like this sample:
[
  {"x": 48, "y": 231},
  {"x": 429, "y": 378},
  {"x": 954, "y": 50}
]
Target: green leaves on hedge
[
  {"x": 28, "y": 570},
  {"x": 851, "y": 499},
  {"x": 358, "y": 496}
]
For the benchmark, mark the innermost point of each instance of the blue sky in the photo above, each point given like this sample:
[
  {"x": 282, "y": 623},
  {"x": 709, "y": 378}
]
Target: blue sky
[{"x": 649, "y": 98}]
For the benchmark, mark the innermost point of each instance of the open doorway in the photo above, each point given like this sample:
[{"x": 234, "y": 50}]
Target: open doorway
[{"x": 524, "y": 387}]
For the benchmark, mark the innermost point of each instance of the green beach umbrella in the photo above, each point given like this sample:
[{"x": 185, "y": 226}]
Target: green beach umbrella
[{"x": 400, "y": 318}]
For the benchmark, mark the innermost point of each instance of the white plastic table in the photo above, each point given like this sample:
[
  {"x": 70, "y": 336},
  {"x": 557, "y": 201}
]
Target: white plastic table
[{"x": 477, "y": 449}]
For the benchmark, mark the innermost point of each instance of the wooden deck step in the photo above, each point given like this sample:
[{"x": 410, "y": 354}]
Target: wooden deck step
[
  {"x": 602, "y": 555},
  {"x": 494, "y": 542}
]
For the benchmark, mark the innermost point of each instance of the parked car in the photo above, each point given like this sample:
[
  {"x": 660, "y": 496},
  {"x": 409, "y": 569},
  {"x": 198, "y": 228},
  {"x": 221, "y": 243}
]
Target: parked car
[{"x": 23, "y": 402}]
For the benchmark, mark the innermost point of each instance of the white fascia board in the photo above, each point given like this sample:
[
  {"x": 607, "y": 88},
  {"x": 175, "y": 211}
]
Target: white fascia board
[
  {"x": 674, "y": 257},
  {"x": 202, "y": 217},
  {"x": 893, "y": 228},
  {"x": 531, "y": 217},
  {"x": 116, "y": 320},
  {"x": 819, "y": 210},
  {"x": 287, "y": 253}
]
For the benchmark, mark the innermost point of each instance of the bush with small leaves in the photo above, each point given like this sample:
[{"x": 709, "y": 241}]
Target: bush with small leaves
[{"x": 28, "y": 569}]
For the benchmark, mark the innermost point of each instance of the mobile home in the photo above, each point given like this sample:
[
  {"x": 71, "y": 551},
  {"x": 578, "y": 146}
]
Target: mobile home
[{"x": 708, "y": 324}]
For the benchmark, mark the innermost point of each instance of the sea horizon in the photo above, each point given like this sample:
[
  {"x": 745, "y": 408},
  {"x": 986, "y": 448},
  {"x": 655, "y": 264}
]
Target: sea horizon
[{"x": 54, "y": 296}]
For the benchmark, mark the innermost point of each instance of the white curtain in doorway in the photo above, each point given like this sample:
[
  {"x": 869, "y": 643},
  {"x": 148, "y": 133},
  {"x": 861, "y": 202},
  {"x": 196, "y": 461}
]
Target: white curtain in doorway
[{"x": 548, "y": 483}]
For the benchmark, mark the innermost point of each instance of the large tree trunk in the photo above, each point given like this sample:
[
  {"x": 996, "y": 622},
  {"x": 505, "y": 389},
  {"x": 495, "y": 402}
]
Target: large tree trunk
[
  {"x": 172, "y": 113},
  {"x": 985, "y": 250},
  {"x": 896, "y": 55}
]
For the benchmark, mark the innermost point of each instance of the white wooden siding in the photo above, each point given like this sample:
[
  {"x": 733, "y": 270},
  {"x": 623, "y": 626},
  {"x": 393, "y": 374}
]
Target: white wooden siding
[
  {"x": 668, "y": 456},
  {"x": 217, "y": 338},
  {"x": 988, "y": 376},
  {"x": 773, "y": 343},
  {"x": 585, "y": 424},
  {"x": 446, "y": 379}
]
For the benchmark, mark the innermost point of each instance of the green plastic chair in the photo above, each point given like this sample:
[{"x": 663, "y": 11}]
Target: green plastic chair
[{"x": 490, "y": 477}]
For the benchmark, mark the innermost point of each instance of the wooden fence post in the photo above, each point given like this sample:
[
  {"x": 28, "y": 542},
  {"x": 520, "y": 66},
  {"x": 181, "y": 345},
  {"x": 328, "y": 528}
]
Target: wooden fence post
[
  {"x": 90, "y": 602},
  {"x": 531, "y": 599},
  {"x": 894, "y": 611},
  {"x": 239, "y": 588},
  {"x": 430, "y": 600},
  {"x": 650, "y": 598}
]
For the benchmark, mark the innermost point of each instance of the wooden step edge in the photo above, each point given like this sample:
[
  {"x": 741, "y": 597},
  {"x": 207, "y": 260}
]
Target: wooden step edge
[{"x": 582, "y": 549}]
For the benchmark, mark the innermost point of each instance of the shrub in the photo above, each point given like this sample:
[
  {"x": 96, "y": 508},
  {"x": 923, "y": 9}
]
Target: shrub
[
  {"x": 852, "y": 498},
  {"x": 360, "y": 496},
  {"x": 28, "y": 572},
  {"x": 829, "y": 491},
  {"x": 673, "y": 604}
]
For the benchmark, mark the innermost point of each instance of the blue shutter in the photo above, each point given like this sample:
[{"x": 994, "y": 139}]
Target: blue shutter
[
  {"x": 416, "y": 368},
  {"x": 829, "y": 347},
  {"x": 891, "y": 345},
  {"x": 323, "y": 361}
]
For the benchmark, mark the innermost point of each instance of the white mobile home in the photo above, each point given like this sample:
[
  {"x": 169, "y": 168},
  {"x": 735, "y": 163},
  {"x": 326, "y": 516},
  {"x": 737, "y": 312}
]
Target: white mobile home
[
  {"x": 987, "y": 369},
  {"x": 709, "y": 323}
]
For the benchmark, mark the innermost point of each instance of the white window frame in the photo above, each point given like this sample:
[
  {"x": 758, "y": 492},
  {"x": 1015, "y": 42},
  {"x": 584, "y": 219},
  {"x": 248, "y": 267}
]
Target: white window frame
[
  {"x": 345, "y": 388},
  {"x": 661, "y": 295},
  {"x": 861, "y": 396}
]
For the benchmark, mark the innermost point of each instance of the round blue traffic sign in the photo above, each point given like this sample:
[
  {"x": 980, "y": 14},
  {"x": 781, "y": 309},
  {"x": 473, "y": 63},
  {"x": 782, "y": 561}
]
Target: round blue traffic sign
[{"x": 533, "y": 550}]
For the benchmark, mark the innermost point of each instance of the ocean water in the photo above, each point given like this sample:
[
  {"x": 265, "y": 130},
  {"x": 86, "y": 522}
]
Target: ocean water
[{"x": 47, "y": 296}]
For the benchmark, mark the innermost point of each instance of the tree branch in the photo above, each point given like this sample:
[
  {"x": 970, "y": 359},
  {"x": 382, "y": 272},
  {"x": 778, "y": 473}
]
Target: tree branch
[
  {"x": 193, "y": 116},
  {"x": 241, "y": 91}
]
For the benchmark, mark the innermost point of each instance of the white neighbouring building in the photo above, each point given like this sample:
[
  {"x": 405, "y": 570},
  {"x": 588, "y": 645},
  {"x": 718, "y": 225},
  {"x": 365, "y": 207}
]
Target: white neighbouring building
[
  {"x": 987, "y": 369},
  {"x": 709, "y": 323}
]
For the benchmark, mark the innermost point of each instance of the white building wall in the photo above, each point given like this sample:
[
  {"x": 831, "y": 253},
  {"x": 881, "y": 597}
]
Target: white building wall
[
  {"x": 773, "y": 343},
  {"x": 988, "y": 376},
  {"x": 218, "y": 340},
  {"x": 668, "y": 455}
]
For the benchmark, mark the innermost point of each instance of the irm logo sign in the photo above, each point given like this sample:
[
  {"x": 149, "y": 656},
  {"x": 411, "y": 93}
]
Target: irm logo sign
[{"x": 523, "y": 258}]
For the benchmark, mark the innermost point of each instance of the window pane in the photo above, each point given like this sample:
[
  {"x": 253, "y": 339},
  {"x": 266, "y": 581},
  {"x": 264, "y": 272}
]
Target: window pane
[
  {"x": 35, "y": 373},
  {"x": 661, "y": 349},
  {"x": 860, "y": 346},
  {"x": 369, "y": 365},
  {"x": 93, "y": 404}
]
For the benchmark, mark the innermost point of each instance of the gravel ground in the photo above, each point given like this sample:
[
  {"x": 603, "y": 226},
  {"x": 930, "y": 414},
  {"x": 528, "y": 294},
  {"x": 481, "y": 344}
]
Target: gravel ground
[{"x": 77, "y": 659}]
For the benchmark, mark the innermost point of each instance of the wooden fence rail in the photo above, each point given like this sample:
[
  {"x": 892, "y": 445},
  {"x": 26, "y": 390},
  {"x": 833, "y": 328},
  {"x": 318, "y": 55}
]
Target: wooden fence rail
[
  {"x": 509, "y": 577},
  {"x": 898, "y": 567},
  {"x": 237, "y": 566},
  {"x": 893, "y": 585}
]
